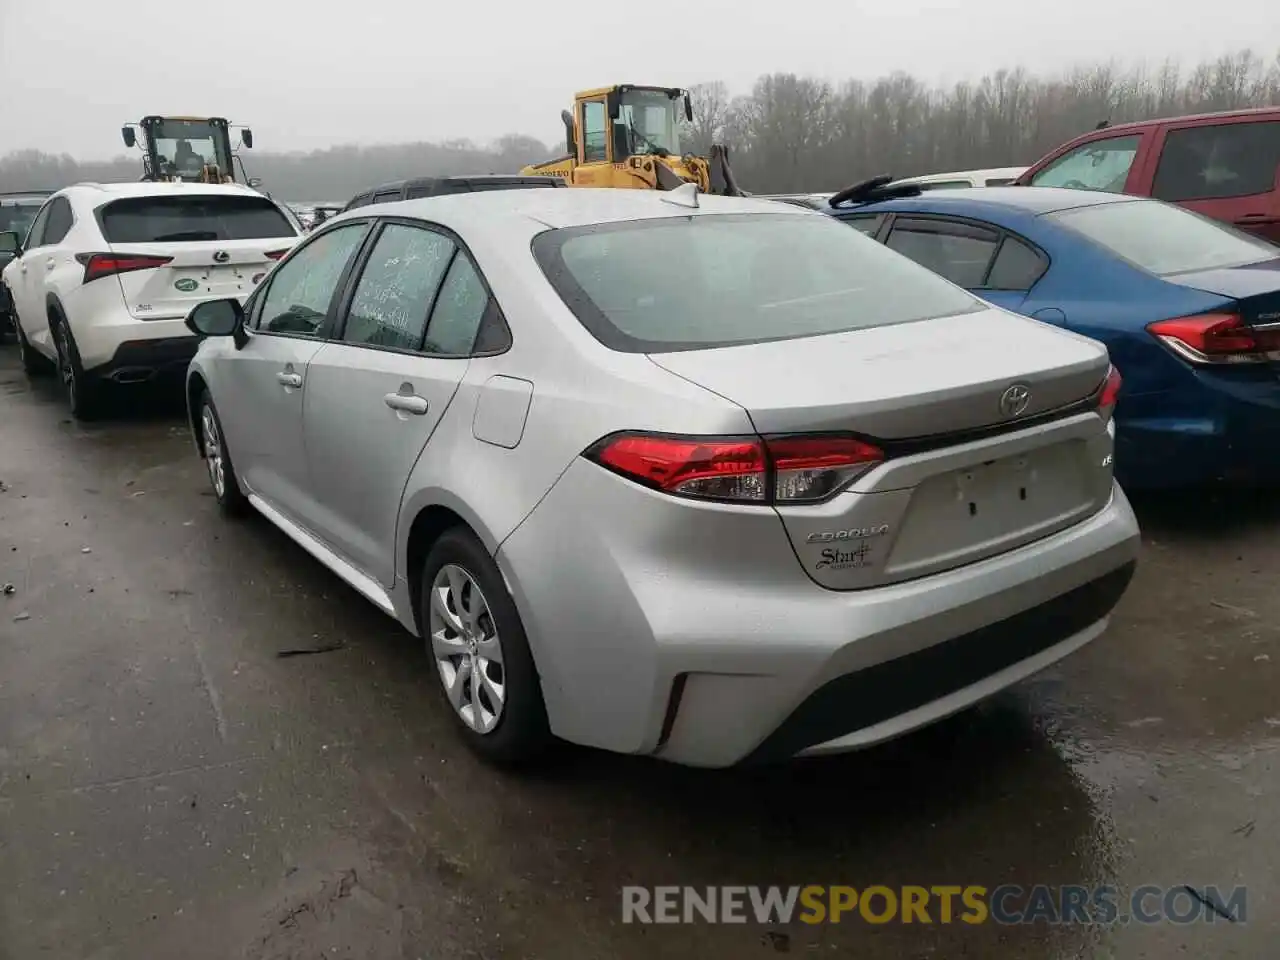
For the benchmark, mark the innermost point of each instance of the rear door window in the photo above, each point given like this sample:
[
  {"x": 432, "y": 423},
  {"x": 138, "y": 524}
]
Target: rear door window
[
  {"x": 960, "y": 252},
  {"x": 682, "y": 283},
  {"x": 193, "y": 219},
  {"x": 35, "y": 236},
  {"x": 1216, "y": 161},
  {"x": 397, "y": 287},
  {"x": 1097, "y": 165}
]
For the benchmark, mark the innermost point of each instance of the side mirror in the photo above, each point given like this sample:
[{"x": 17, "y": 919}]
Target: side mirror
[
  {"x": 216, "y": 318},
  {"x": 246, "y": 137},
  {"x": 130, "y": 137},
  {"x": 614, "y": 103},
  {"x": 688, "y": 108},
  {"x": 10, "y": 242}
]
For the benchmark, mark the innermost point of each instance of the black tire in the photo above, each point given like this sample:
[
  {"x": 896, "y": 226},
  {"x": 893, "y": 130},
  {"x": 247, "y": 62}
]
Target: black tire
[
  {"x": 83, "y": 391},
  {"x": 231, "y": 499},
  {"x": 33, "y": 364},
  {"x": 521, "y": 733}
]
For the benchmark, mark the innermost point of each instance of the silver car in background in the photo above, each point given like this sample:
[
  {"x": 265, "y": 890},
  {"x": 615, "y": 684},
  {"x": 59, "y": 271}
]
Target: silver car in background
[{"x": 714, "y": 480}]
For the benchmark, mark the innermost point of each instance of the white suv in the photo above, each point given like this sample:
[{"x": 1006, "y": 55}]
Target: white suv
[{"x": 104, "y": 280}]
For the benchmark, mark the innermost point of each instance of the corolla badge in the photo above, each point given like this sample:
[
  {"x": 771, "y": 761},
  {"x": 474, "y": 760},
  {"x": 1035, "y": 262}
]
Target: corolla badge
[
  {"x": 1015, "y": 400},
  {"x": 186, "y": 285}
]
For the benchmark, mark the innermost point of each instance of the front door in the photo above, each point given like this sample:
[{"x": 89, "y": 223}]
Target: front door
[
  {"x": 26, "y": 279},
  {"x": 261, "y": 393},
  {"x": 593, "y": 168},
  {"x": 378, "y": 391}
]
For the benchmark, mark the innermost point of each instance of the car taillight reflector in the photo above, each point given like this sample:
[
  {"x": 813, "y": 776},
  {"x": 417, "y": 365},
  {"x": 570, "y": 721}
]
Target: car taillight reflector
[
  {"x": 1109, "y": 393},
  {"x": 275, "y": 254},
  {"x": 98, "y": 265},
  {"x": 790, "y": 469},
  {"x": 1215, "y": 338}
]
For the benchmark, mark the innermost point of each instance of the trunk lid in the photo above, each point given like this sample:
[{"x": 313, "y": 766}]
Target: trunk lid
[
  {"x": 900, "y": 381},
  {"x": 198, "y": 271},
  {"x": 1255, "y": 288},
  {"x": 961, "y": 481}
]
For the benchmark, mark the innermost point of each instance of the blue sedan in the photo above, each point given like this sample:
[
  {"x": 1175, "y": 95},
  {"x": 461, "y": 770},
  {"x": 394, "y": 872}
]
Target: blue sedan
[{"x": 1189, "y": 309}]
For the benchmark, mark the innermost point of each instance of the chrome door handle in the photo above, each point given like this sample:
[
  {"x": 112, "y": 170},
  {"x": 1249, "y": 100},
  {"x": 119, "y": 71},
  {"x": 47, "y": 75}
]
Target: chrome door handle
[
  {"x": 289, "y": 379},
  {"x": 409, "y": 403}
]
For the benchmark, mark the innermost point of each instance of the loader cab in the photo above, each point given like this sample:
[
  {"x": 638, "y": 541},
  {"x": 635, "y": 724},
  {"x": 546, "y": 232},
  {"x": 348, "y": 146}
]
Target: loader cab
[
  {"x": 192, "y": 149},
  {"x": 613, "y": 124}
]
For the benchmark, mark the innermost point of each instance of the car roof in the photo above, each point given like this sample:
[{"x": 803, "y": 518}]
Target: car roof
[
  {"x": 579, "y": 206},
  {"x": 1030, "y": 200},
  {"x": 1193, "y": 118},
  {"x": 153, "y": 188}
]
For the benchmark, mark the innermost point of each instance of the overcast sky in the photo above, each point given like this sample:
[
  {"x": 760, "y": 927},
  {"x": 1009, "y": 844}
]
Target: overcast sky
[{"x": 312, "y": 74}]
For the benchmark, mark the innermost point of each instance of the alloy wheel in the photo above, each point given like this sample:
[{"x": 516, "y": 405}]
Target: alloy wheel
[
  {"x": 213, "y": 451},
  {"x": 468, "y": 652}
]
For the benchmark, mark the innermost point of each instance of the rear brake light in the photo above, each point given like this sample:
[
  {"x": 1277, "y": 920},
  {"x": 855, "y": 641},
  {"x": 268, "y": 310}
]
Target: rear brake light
[
  {"x": 1109, "y": 393},
  {"x": 275, "y": 254},
  {"x": 1215, "y": 338},
  {"x": 791, "y": 469},
  {"x": 98, "y": 265}
]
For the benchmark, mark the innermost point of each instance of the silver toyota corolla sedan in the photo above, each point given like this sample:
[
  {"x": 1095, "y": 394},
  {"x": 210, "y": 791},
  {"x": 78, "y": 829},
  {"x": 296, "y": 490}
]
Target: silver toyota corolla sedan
[{"x": 715, "y": 480}]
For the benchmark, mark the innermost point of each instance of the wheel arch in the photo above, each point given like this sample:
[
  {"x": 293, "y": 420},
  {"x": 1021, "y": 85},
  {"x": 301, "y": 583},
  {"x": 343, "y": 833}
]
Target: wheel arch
[{"x": 422, "y": 522}]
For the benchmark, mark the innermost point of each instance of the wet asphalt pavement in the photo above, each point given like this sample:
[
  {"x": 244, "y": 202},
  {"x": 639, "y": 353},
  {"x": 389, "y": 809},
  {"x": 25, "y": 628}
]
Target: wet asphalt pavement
[{"x": 172, "y": 786}]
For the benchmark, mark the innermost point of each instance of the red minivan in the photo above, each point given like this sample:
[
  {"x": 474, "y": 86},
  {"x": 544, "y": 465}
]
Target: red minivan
[{"x": 1224, "y": 165}]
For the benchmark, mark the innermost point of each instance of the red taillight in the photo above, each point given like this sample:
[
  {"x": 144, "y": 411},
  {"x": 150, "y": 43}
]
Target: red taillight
[
  {"x": 275, "y": 254},
  {"x": 813, "y": 468},
  {"x": 792, "y": 469},
  {"x": 1215, "y": 338},
  {"x": 98, "y": 265},
  {"x": 1109, "y": 394}
]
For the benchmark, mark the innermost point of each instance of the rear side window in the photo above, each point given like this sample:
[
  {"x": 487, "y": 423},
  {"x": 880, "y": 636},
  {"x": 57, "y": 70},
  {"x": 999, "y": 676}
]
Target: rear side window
[
  {"x": 1164, "y": 239},
  {"x": 686, "y": 283},
  {"x": 1017, "y": 267},
  {"x": 957, "y": 251},
  {"x": 1217, "y": 161},
  {"x": 192, "y": 219},
  {"x": 455, "y": 321},
  {"x": 60, "y": 221},
  {"x": 386, "y": 196}
]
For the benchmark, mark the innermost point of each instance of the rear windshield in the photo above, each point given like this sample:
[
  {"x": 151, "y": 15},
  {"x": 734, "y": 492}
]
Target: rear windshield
[
  {"x": 651, "y": 286},
  {"x": 1164, "y": 239},
  {"x": 193, "y": 219}
]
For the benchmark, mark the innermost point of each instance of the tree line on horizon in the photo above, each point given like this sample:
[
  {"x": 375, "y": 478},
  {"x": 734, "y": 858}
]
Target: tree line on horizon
[{"x": 790, "y": 132}]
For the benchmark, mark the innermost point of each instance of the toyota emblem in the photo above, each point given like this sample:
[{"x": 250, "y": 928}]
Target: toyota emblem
[
  {"x": 221, "y": 256},
  {"x": 1014, "y": 401}
]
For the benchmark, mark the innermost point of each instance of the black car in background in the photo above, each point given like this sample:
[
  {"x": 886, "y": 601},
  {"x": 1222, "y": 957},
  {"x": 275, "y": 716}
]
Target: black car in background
[
  {"x": 438, "y": 186},
  {"x": 17, "y": 211}
]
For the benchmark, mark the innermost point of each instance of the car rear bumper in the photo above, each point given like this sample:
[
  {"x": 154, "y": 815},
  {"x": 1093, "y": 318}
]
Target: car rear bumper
[
  {"x": 1164, "y": 442},
  {"x": 703, "y": 641},
  {"x": 114, "y": 345}
]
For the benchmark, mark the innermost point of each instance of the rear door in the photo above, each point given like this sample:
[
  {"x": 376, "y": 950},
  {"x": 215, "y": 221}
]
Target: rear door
[
  {"x": 217, "y": 245},
  {"x": 378, "y": 391},
  {"x": 1227, "y": 169}
]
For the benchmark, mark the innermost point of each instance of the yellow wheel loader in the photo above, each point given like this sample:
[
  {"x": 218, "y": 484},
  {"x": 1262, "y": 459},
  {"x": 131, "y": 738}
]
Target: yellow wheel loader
[
  {"x": 628, "y": 136},
  {"x": 192, "y": 149}
]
